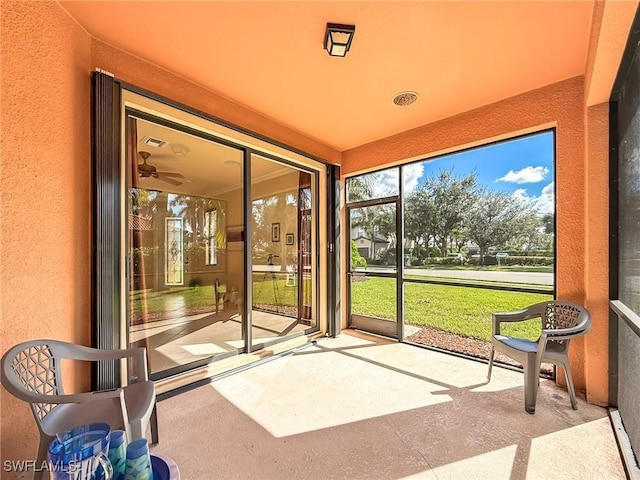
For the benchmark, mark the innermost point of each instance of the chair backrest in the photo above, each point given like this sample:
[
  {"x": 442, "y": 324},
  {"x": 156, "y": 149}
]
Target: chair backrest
[
  {"x": 32, "y": 367},
  {"x": 559, "y": 314},
  {"x": 562, "y": 315}
]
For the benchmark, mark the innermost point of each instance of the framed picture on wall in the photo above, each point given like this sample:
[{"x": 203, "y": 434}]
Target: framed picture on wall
[
  {"x": 275, "y": 232},
  {"x": 289, "y": 238}
]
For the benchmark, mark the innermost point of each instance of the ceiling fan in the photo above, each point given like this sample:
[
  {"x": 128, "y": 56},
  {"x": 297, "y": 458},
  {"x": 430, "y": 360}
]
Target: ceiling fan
[{"x": 146, "y": 170}]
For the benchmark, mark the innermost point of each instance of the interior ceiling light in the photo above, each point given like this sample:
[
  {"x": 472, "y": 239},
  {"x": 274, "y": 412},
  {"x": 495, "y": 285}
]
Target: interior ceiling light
[
  {"x": 405, "y": 98},
  {"x": 179, "y": 150},
  {"x": 338, "y": 38}
]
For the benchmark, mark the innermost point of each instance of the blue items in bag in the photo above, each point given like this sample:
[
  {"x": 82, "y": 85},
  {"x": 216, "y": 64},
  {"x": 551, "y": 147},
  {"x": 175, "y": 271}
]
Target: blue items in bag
[
  {"x": 118, "y": 453},
  {"x": 81, "y": 454},
  {"x": 138, "y": 461}
]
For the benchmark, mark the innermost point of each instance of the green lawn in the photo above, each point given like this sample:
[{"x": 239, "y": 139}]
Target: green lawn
[
  {"x": 181, "y": 301},
  {"x": 174, "y": 299},
  {"x": 266, "y": 290},
  {"x": 461, "y": 310}
]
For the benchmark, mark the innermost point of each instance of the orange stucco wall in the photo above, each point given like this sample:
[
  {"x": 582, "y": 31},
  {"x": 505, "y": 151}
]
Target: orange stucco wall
[
  {"x": 146, "y": 75},
  {"x": 561, "y": 105},
  {"x": 45, "y": 188},
  {"x": 597, "y": 252}
]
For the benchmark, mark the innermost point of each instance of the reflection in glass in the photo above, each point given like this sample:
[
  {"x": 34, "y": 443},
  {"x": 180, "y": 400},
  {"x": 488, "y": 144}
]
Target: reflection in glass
[
  {"x": 174, "y": 252},
  {"x": 185, "y": 277},
  {"x": 283, "y": 246}
]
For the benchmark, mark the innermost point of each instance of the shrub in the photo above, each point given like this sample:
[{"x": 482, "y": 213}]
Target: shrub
[
  {"x": 527, "y": 260},
  {"x": 195, "y": 282},
  {"x": 486, "y": 260},
  {"x": 513, "y": 260},
  {"x": 444, "y": 261},
  {"x": 357, "y": 260}
]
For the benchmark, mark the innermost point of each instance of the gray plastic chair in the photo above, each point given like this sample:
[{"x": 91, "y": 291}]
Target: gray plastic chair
[
  {"x": 31, "y": 372},
  {"x": 561, "y": 321}
]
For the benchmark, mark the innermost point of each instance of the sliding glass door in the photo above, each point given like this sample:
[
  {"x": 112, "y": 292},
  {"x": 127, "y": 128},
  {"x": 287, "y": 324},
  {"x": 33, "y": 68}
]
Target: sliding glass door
[
  {"x": 221, "y": 245},
  {"x": 185, "y": 245},
  {"x": 283, "y": 243}
]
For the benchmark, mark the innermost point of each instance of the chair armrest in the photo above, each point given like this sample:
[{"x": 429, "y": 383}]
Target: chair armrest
[
  {"x": 35, "y": 397},
  {"x": 80, "y": 352},
  {"x": 518, "y": 316}
]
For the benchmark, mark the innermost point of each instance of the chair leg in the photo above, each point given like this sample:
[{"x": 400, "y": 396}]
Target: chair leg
[
  {"x": 490, "y": 364},
  {"x": 40, "y": 474},
  {"x": 531, "y": 377},
  {"x": 154, "y": 424},
  {"x": 572, "y": 392}
]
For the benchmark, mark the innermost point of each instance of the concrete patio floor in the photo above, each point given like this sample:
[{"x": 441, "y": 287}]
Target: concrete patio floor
[{"x": 358, "y": 406}]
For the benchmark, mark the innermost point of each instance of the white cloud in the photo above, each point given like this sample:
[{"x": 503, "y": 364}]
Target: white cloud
[
  {"x": 386, "y": 183},
  {"x": 526, "y": 175},
  {"x": 544, "y": 203},
  {"x": 412, "y": 174}
]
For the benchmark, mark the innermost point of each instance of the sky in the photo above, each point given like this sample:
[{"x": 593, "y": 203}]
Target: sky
[{"x": 522, "y": 167}]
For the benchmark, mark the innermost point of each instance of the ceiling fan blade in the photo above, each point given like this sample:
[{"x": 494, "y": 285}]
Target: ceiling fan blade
[
  {"x": 171, "y": 174},
  {"x": 169, "y": 180}
]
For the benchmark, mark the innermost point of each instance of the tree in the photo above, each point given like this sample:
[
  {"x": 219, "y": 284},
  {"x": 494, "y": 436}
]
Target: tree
[
  {"x": 418, "y": 218},
  {"x": 379, "y": 219},
  {"x": 548, "y": 223},
  {"x": 360, "y": 188},
  {"x": 452, "y": 196},
  {"x": 496, "y": 218}
]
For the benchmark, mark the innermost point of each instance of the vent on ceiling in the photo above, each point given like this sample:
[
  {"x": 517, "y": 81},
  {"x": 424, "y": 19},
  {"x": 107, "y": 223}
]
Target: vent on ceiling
[
  {"x": 154, "y": 142},
  {"x": 405, "y": 98}
]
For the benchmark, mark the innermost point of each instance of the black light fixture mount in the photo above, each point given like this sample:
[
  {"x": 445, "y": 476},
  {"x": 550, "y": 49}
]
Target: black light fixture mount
[{"x": 338, "y": 38}]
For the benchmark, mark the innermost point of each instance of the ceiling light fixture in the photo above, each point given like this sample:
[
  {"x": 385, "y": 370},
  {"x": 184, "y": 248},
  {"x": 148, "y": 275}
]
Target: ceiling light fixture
[
  {"x": 403, "y": 99},
  {"x": 179, "y": 150},
  {"x": 337, "y": 39}
]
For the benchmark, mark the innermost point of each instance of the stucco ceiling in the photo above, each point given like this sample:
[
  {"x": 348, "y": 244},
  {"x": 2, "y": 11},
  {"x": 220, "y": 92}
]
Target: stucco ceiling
[{"x": 268, "y": 56}]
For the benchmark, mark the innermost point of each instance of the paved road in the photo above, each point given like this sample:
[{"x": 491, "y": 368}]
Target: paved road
[{"x": 537, "y": 278}]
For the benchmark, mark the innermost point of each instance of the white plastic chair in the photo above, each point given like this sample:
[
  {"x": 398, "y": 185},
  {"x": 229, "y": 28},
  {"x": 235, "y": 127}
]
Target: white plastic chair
[
  {"x": 561, "y": 321},
  {"x": 31, "y": 372}
]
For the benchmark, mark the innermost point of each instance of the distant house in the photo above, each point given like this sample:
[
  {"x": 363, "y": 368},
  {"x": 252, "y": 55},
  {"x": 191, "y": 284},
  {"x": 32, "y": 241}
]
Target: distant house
[{"x": 369, "y": 249}]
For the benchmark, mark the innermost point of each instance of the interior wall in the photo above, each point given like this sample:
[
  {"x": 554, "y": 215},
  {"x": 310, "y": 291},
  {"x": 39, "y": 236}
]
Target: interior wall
[
  {"x": 560, "y": 105},
  {"x": 234, "y": 278},
  {"x": 45, "y": 189}
]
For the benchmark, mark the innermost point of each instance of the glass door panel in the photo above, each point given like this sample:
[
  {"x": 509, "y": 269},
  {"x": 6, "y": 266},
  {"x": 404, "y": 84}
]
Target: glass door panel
[
  {"x": 184, "y": 246},
  {"x": 373, "y": 268},
  {"x": 283, "y": 242}
]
